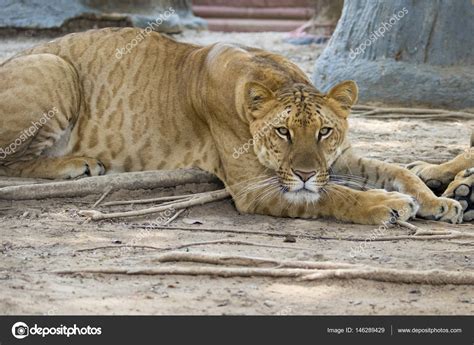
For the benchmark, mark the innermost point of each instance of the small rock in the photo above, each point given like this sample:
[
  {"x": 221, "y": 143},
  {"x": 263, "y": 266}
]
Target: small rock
[
  {"x": 240, "y": 293},
  {"x": 222, "y": 303},
  {"x": 268, "y": 304},
  {"x": 466, "y": 300},
  {"x": 190, "y": 221}
]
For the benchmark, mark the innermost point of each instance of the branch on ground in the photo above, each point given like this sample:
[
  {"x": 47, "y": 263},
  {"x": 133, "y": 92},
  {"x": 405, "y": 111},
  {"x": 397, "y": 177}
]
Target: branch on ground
[
  {"x": 100, "y": 184},
  {"x": 304, "y": 270},
  {"x": 180, "y": 204},
  {"x": 422, "y": 235}
]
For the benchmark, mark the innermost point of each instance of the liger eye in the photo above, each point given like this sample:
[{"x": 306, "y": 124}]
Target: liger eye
[
  {"x": 283, "y": 132},
  {"x": 324, "y": 132}
]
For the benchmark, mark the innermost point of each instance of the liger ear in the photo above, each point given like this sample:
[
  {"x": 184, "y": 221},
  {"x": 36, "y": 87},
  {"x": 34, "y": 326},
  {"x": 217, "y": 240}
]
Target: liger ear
[
  {"x": 256, "y": 95},
  {"x": 345, "y": 96}
]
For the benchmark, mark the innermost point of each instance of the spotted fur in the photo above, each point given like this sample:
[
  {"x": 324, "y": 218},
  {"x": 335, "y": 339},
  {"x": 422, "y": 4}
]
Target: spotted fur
[{"x": 168, "y": 105}]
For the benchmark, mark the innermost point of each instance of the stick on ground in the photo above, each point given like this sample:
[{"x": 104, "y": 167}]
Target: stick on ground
[
  {"x": 176, "y": 215},
  {"x": 304, "y": 270},
  {"x": 107, "y": 192},
  {"x": 99, "y": 184},
  {"x": 152, "y": 200},
  {"x": 194, "y": 244},
  {"x": 200, "y": 200},
  {"x": 422, "y": 236}
]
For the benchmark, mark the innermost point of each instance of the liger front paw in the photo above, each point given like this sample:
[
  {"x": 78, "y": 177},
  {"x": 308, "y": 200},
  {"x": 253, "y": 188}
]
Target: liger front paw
[
  {"x": 442, "y": 209},
  {"x": 388, "y": 207}
]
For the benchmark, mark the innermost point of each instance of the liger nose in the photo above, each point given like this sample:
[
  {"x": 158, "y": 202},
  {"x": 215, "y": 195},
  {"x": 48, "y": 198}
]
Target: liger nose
[{"x": 304, "y": 175}]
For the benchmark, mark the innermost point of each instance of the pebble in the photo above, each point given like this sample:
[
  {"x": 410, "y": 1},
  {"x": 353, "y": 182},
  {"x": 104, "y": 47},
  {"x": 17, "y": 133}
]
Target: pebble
[{"x": 269, "y": 304}]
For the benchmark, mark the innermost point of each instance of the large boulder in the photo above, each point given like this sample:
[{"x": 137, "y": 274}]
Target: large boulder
[
  {"x": 403, "y": 52},
  {"x": 72, "y": 15}
]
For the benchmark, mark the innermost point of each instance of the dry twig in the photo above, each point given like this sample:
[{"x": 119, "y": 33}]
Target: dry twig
[
  {"x": 414, "y": 229},
  {"x": 422, "y": 236},
  {"x": 432, "y": 277},
  {"x": 107, "y": 191},
  {"x": 239, "y": 260},
  {"x": 118, "y": 246},
  {"x": 194, "y": 244},
  {"x": 236, "y": 242},
  {"x": 305, "y": 270},
  {"x": 152, "y": 200},
  {"x": 195, "y": 271},
  {"x": 200, "y": 200},
  {"x": 176, "y": 215},
  {"x": 99, "y": 184}
]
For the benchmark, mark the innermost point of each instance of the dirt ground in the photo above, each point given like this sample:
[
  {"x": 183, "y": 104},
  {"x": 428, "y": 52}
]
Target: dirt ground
[{"x": 39, "y": 237}]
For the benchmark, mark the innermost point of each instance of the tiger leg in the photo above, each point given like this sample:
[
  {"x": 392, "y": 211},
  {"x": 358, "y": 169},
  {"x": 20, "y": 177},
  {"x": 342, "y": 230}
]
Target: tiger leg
[
  {"x": 39, "y": 105},
  {"x": 378, "y": 174}
]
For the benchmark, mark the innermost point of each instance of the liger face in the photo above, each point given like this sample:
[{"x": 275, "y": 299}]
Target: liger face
[{"x": 299, "y": 137}]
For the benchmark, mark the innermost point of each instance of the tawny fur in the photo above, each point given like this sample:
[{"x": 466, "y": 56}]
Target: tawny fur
[{"x": 249, "y": 116}]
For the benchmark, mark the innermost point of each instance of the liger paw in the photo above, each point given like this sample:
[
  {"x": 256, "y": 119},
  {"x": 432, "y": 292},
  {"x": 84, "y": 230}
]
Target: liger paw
[
  {"x": 462, "y": 190},
  {"x": 78, "y": 167},
  {"x": 436, "y": 177},
  {"x": 389, "y": 207}
]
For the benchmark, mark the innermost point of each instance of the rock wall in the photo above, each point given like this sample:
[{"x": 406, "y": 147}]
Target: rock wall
[
  {"x": 74, "y": 15},
  {"x": 403, "y": 52}
]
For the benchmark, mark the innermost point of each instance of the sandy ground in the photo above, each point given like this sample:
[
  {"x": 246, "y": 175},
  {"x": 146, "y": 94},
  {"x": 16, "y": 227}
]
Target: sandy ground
[{"x": 39, "y": 237}]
